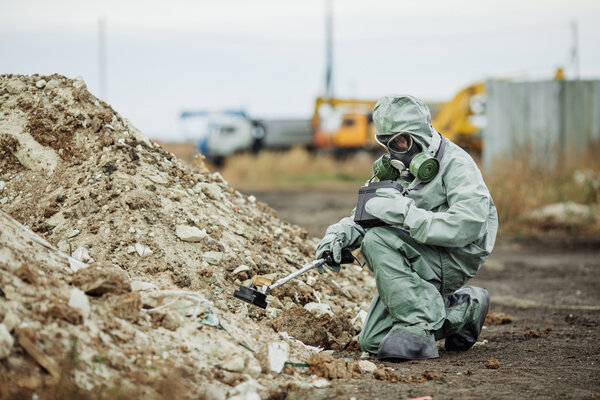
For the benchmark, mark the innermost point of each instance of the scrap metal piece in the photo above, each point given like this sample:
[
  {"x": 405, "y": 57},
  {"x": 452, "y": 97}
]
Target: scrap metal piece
[{"x": 251, "y": 295}]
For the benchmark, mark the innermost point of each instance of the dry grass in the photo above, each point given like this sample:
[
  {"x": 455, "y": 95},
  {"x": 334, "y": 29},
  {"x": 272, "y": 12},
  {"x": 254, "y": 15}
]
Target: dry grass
[
  {"x": 517, "y": 186},
  {"x": 296, "y": 169}
]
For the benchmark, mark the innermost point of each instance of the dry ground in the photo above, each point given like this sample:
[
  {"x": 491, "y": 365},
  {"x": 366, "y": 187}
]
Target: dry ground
[{"x": 548, "y": 285}]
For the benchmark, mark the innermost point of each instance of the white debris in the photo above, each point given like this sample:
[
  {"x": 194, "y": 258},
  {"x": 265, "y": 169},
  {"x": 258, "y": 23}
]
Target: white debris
[
  {"x": 10, "y": 320},
  {"x": 130, "y": 249},
  {"x": 2, "y": 185},
  {"x": 73, "y": 233},
  {"x": 190, "y": 233},
  {"x": 52, "y": 84},
  {"x": 366, "y": 366},
  {"x": 245, "y": 391},
  {"x": 198, "y": 188},
  {"x": 311, "y": 280},
  {"x": 142, "y": 286},
  {"x": 213, "y": 257},
  {"x": 252, "y": 198},
  {"x": 318, "y": 309},
  {"x": 239, "y": 269},
  {"x": 321, "y": 383},
  {"x": 213, "y": 392},
  {"x": 158, "y": 179},
  {"x": 189, "y": 304},
  {"x": 79, "y": 83},
  {"x": 234, "y": 363},
  {"x": 15, "y": 86},
  {"x": 80, "y": 301},
  {"x": 212, "y": 190},
  {"x": 6, "y": 342},
  {"x": 273, "y": 312},
  {"x": 287, "y": 336},
  {"x": 82, "y": 255},
  {"x": 274, "y": 302},
  {"x": 278, "y": 355},
  {"x": 40, "y": 84},
  {"x": 143, "y": 251},
  {"x": 76, "y": 265},
  {"x": 359, "y": 320},
  {"x": 253, "y": 367}
]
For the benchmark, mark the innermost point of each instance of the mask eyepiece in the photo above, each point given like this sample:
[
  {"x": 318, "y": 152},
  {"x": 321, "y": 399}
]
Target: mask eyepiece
[{"x": 400, "y": 143}]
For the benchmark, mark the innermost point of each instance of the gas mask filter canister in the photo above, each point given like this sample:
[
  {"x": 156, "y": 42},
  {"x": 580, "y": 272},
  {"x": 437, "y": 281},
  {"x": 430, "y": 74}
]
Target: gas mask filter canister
[{"x": 405, "y": 154}]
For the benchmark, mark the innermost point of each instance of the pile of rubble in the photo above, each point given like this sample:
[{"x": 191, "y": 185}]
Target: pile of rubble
[{"x": 128, "y": 279}]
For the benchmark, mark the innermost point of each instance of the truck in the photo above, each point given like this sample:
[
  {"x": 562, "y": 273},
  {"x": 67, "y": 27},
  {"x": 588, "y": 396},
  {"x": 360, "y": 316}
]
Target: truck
[
  {"x": 343, "y": 124},
  {"x": 221, "y": 133}
]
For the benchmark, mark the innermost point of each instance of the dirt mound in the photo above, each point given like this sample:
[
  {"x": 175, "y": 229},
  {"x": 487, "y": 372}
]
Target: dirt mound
[
  {"x": 498, "y": 319},
  {"x": 163, "y": 240},
  {"x": 302, "y": 325}
]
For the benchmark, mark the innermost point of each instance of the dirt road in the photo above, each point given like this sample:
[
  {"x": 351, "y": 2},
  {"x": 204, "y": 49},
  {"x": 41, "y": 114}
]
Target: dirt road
[{"x": 549, "y": 286}]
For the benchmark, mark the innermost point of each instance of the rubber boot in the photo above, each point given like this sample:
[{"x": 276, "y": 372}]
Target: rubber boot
[
  {"x": 400, "y": 344},
  {"x": 467, "y": 336}
]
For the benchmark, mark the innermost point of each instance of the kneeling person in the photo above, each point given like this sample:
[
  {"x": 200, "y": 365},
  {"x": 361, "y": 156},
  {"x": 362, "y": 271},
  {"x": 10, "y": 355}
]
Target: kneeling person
[{"x": 435, "y": 238}]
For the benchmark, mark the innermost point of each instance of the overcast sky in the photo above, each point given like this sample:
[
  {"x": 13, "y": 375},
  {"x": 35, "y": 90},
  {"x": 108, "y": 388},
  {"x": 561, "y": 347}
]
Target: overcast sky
[{"x": 268, "y": 56}]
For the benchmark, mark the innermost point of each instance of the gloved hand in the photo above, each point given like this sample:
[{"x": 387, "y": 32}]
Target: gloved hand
[
  {"x": 330, "y": 242},
  {"x": 390, "y": 206},
  {"x": 344, "y": 234}
]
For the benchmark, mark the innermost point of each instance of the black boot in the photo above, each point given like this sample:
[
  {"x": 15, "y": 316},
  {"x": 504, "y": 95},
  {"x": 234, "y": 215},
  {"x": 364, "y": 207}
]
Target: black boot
[
  {"x": 467, "y": 337},
  {"x": 400, "y": 344}
]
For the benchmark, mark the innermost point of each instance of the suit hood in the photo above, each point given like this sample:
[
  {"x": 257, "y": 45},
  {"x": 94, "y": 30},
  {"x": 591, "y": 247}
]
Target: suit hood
[{"x": 404, "y": 113}]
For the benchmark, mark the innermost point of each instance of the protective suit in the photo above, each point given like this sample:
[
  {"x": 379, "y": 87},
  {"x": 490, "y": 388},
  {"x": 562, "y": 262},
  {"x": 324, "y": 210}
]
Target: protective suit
[{"x": 437, "y": 236}]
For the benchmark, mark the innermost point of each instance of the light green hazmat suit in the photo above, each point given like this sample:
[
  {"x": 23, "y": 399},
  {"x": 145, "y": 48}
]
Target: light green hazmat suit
[{"x": 438, "y": 237}]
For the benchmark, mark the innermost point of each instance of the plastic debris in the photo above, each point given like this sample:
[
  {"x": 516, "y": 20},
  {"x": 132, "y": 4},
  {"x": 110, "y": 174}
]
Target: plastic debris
[
  {"x": 261, "y": 280},
  {"x": 278, "y": 355},
  {"x": 79, "y": 300}
]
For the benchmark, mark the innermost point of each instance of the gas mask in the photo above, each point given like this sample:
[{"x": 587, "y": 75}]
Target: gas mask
[{"x": 407, "y": 157}]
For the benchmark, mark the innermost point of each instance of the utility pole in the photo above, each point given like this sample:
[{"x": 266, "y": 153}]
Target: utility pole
[
  {"x": 575, "y": 49},
  {"x": 102, "y": 58},
  {"x": 329, "y": 49}
]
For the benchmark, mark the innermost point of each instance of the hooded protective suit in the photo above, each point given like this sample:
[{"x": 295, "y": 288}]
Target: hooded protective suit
[{"x": 437, "y": 237}]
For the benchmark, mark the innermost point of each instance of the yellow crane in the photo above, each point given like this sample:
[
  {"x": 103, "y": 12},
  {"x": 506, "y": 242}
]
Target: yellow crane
[
  {"x": 356, "y": 129},
  {"x": 452, "y": 119}
]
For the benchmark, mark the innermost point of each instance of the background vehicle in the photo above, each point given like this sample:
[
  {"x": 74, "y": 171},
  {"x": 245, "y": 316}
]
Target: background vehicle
[
  {"x": 347, "y": 124},
  {"x": 219, "y": 134},
  {"x": 343, "y": 124}
]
